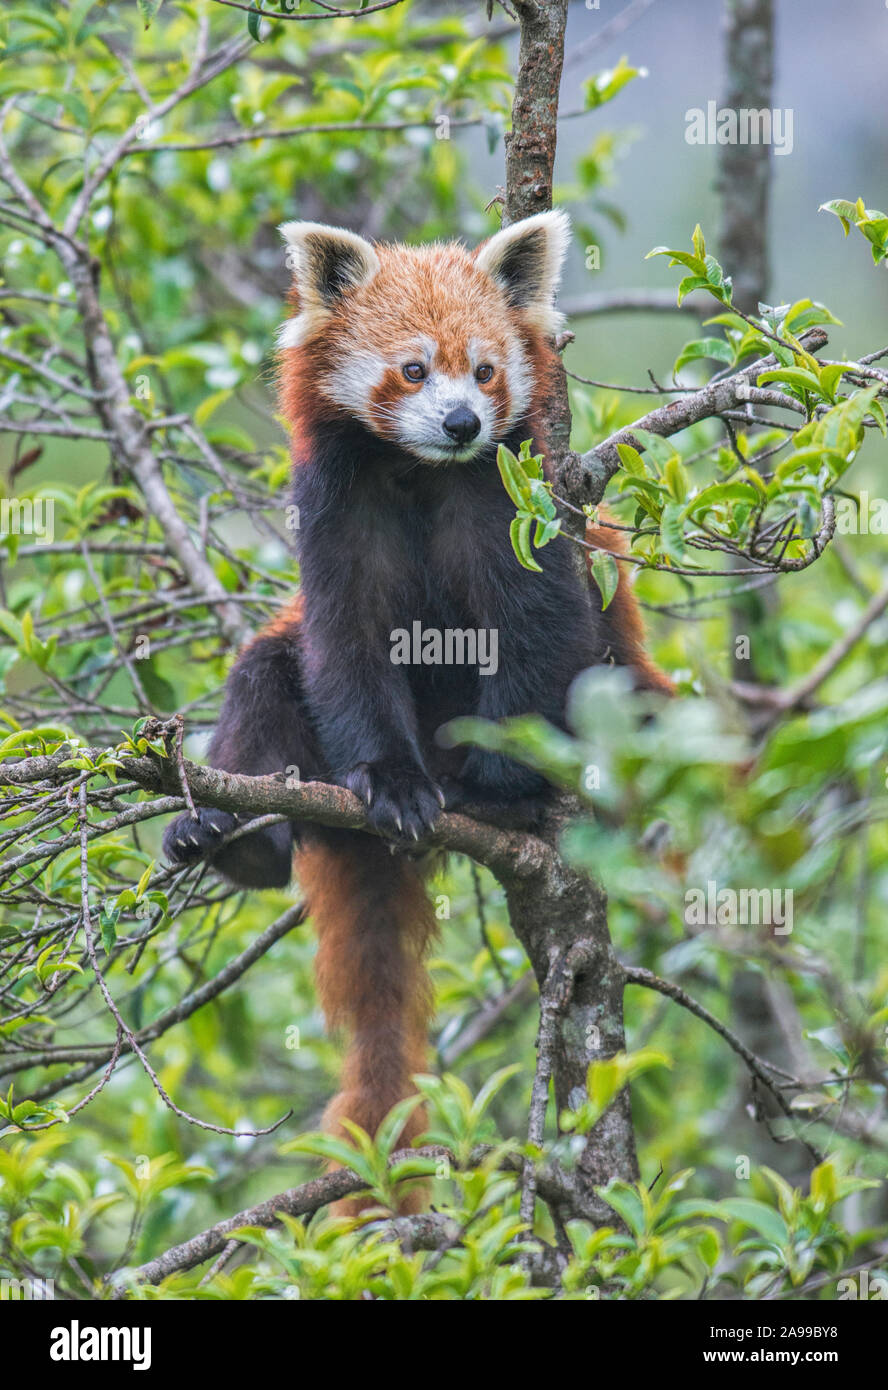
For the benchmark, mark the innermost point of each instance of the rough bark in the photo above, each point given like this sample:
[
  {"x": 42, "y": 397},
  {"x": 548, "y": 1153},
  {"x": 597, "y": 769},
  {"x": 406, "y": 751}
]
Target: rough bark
[
  {"x": 560, "y": 916},
  {"x": 530, "y": 155},
  {"x": 745, "y": 169}
]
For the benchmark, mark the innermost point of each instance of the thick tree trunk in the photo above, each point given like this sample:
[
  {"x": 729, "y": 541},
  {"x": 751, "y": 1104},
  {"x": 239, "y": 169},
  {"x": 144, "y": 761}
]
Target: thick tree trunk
[
  {"x": 530, "y": 154},
  {"x": 745, "y": 170},
  {"x": 560, "y": 916}
]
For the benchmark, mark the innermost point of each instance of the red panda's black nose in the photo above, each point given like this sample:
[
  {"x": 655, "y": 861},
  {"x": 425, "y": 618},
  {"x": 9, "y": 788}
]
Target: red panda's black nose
[{"x": 461, "y": 424}]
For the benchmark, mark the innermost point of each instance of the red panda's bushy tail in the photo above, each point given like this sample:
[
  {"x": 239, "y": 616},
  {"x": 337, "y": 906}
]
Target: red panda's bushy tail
[{"x": 375, "y": 924}]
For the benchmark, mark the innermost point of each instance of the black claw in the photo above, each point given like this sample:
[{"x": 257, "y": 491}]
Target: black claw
[{"x": 401, "y": 802}]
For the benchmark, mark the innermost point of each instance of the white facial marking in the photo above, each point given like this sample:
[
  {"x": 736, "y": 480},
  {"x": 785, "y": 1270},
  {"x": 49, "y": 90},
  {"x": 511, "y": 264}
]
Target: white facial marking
[
  {"x": 419, "y": 419},
  {"x": 520, "y": 382},
  {"x": 351, "y": 382},
  {"x": 477, "y": 354}
]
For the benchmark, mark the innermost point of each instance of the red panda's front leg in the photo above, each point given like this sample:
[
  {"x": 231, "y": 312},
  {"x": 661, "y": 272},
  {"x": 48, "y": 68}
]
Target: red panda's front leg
[
  {"x": 366, "y": 720},
  {"x": 263, "y": 728},
  {"x": 357, "y": 584}
]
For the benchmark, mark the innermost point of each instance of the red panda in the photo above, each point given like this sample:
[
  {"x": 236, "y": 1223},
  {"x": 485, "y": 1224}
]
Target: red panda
[{"x": 401, "y": 370}]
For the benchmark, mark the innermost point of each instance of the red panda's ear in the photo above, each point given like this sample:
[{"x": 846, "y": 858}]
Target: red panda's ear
[
  {"x": 326, "y": 262},
  {"x": 525, "y": 260}
]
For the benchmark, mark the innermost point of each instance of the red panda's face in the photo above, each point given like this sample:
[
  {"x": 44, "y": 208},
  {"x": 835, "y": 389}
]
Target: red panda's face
[{"x": 426, "y": 346}]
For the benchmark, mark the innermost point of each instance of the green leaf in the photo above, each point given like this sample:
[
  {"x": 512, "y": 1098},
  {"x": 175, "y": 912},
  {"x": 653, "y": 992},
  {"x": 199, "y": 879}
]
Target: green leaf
[
  {"x": 805, "y": 313},
  {"x": 871, "y": 223},
  {"x": 758, "y": 1216},
  {"x": 719, "y": 493},
  {"x": 210, "y": 404},
  {"x": 706, "y": 273},
  {"x": 830, "y": 378},
  {"x": 631, "y": 460},
  {"x": 143, "y": 881},
  {"x": 546, "y": 531},
  {"x": 519, "y": 532},
  {"x": 513, "y": 476},
  {"x": 108, "y": 919},
  {"x": 606, "y": 573},
  {"x": 810, "y": 459},
  {"x": 672, "y": 533},
  {"x": 392, "y": 1126},
  {"x": 699, "y": 348},
  {"x": 689, "y": 284},
  {"x": 148, "y": 9},
  {"x": 254, "y": 20},
  {"x": 47, "y": 23},
  {"x": 492, "y": 1087},
  {"x": 326, "y": 1146},
  {"x": 676, "y": 479},
  {"x": 604, "y": 86},
  {"x": 796, "y": 377},
  {"x": 845, "y": 211},
  {"x": 693, "y": 263},
  {"x": 658, "y": 448},
  {"x": 626, "y": 1202}
]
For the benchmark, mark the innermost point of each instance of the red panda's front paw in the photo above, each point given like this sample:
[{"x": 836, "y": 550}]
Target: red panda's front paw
[
  {"x": 403, "y": 803},
  {"x": 186, "y": 840},
  {"x": 260, "y": 860}
]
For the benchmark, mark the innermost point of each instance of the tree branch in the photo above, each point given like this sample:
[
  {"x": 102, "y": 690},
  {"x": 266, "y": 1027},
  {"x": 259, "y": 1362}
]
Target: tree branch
[
  {"x": 585, "y": 476},
  {"x": 797, "y": 696},
  {"x": 581, "y": 306},
  {"x": 177, "y": 1013},
  {"x": 635, "y": 975},
  {"x": 425, "y": 1232}
]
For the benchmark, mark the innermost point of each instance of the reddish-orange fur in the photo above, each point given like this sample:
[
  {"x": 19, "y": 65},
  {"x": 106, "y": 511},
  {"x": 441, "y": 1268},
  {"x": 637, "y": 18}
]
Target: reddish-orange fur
[
  {"x": 375, "y": 925},
  {"x": 625, "y": 613}
]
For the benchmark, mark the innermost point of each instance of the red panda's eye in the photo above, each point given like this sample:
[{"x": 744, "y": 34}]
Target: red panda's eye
[
  {"x": 414, "y": 371},
  {"x": 484, "y": 373}
]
